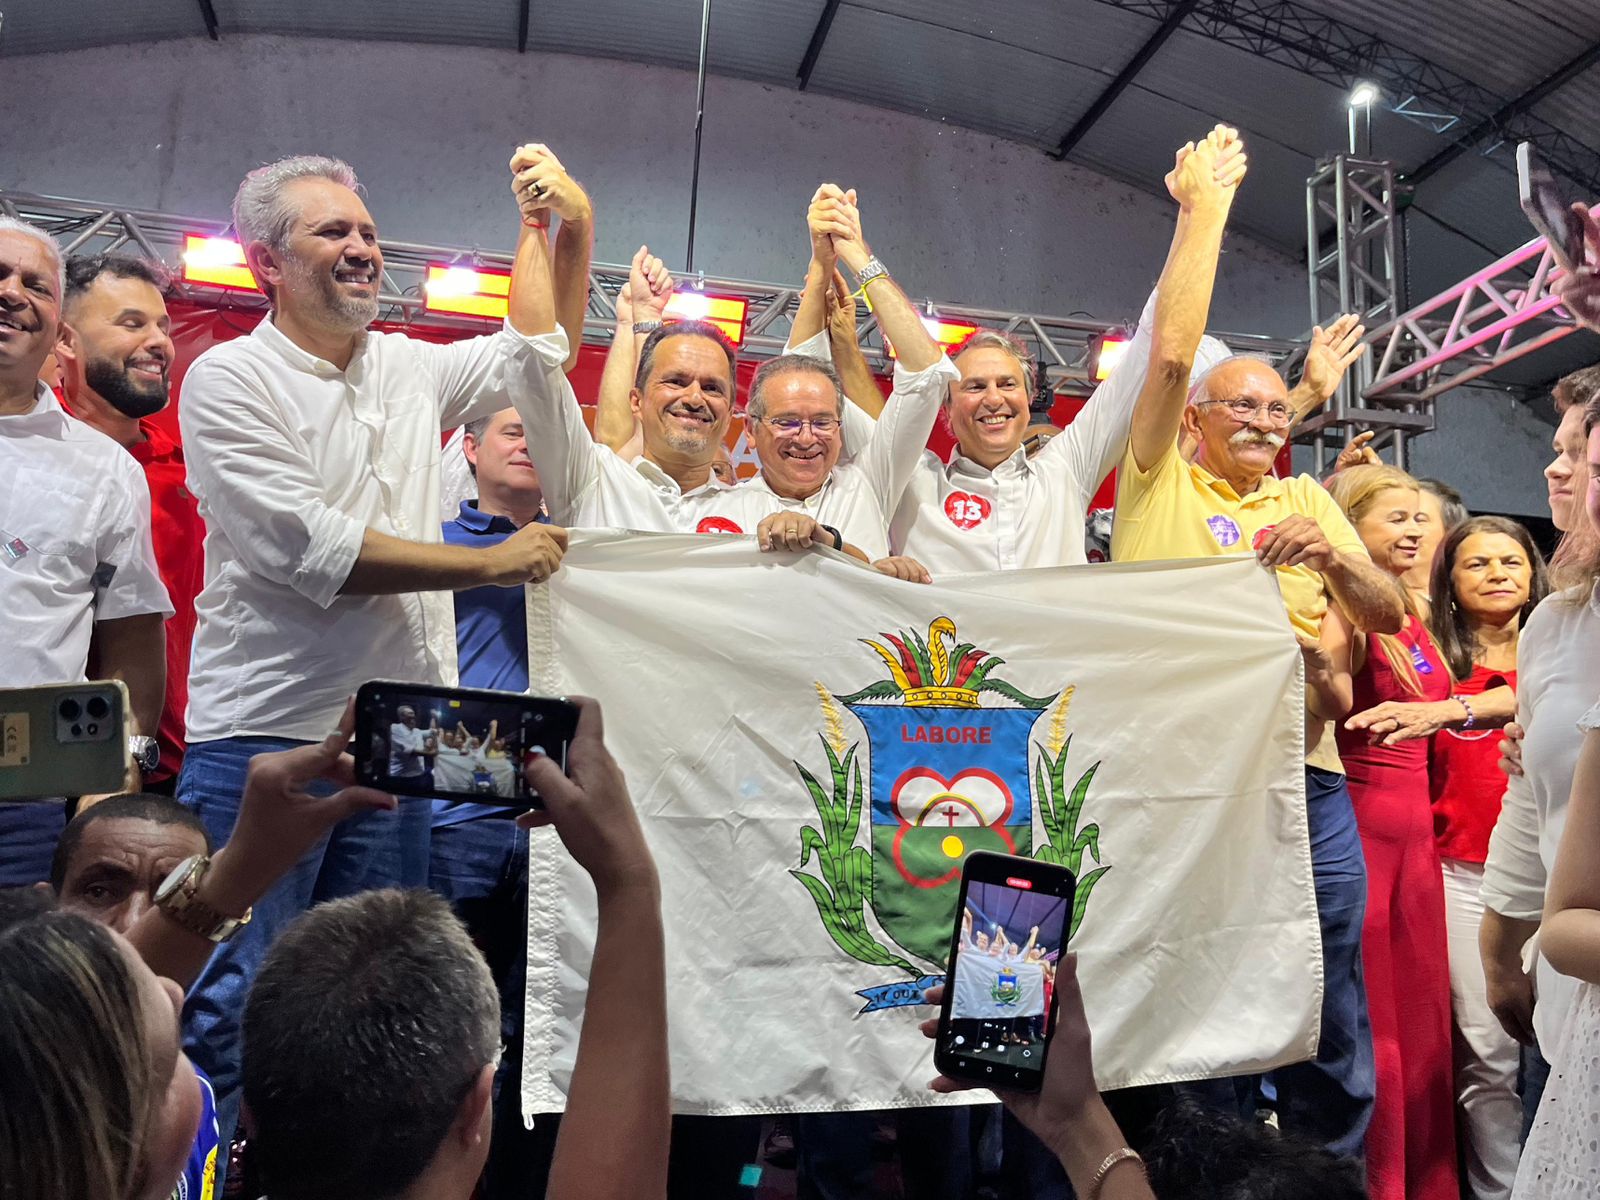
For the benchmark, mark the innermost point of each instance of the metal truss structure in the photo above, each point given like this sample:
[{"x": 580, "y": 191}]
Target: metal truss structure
[
  {"x": 1062, "y": 345},
  {"x": 1493, "y": 317},
  {"x": 1353, "y": 264},
  {"x": 1297, "y": 36}
]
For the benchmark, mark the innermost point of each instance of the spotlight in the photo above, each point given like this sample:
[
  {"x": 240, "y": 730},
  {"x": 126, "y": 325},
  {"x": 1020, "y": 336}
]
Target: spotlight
[
  {"x": 1364, "y": 95},
  {"x": 951, "y": 335},
  {"x": 727, "y": 313},
  {"x": 1105, "y": 352},
  {"x": 217, "y": 261}
]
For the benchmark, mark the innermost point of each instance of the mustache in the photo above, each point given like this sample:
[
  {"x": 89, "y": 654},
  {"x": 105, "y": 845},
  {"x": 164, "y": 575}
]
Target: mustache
[{"x": 1252, "y": 437}]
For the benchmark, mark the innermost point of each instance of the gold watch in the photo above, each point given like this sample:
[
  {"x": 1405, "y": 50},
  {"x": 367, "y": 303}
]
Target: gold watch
[{"x": 178, "y": 897}]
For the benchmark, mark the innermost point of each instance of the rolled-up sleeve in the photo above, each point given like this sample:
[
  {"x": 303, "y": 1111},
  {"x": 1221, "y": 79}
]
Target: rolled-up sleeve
[
  {"x": 1514, "y": 875},
  {"x": 124, "y": 549},
  {"x": 256, "y": 484},
  {"x": 899, "y": 437},
  {"x": 562, "y": 449},
  {"x": 1095, "y": 440}
]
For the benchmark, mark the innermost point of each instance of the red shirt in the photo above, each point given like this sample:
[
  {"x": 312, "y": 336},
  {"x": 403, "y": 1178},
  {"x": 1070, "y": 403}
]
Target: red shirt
[
  {"x": 179, "y": 536},
  {"x": 1465, "y": 778}
]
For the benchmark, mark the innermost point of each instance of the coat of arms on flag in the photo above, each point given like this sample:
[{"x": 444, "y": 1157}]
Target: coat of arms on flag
[{"x": 949, "y": 775}]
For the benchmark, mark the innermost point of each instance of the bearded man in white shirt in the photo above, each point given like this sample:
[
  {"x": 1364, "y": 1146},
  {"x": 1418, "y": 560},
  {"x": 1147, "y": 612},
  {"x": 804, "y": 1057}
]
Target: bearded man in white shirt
[
  {"x": 313, "y": 449},
  {"x": 78, "y": 580}
]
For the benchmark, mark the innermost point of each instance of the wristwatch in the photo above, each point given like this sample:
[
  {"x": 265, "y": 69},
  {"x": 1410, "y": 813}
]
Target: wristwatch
[
  {"x": 838, "y": 538},
  {"x": 144, "y": 751},
  {"x": 646, "y": 326},
  {"x": 177, "y": 897},
  {"x": 870, "y": 270}
]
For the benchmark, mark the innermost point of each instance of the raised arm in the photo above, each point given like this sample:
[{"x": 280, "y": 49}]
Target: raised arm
[
  {"x": 812, "y": 316},
  {"x": 1204, "y": 180},
  {"x": 619, "y": 1095},
  {"x": 1332, "y": 352},
  {"x": 641, "y": 301},
  {"x": 897, "y": 317},
  {"x": 544, "y": 190},
  {"x": 860, "y": 385}
]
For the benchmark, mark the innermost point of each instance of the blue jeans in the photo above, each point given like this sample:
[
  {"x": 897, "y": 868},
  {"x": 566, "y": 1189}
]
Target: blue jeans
[
  {"x": 28, "y": 834},
  {"x": 368, "y": 851},
  {"x": 1328, "y": 1099}
]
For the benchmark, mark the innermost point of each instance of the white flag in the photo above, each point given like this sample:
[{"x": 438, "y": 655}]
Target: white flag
[{"x": 814, "y": 748}]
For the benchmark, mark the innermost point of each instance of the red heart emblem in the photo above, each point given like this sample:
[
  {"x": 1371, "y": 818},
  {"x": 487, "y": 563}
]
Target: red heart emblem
[
  {"x": 966, "y": 510},
  {"x": 717, "y": 525}
]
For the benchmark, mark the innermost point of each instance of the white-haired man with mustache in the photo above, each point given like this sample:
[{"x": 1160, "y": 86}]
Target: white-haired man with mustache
[{"x": 1225, "y": 502}]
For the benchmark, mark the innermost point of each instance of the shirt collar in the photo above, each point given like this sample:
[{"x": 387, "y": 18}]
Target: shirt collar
[
  {"x": 661, "y": 479},
  {"x": 1018, "y": 464},
  {"x": 475, "y": 519},
  {"x": 758, "y": 482},
  {"x": 1269, "y": 486},
  {"x": 45, "y": 417},
  {"x": 278, "y": 342},
  {"x": 157, "y": 444}
]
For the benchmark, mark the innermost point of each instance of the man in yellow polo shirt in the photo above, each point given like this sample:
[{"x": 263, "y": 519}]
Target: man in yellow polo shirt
[{"x": 1227, "y": 502}]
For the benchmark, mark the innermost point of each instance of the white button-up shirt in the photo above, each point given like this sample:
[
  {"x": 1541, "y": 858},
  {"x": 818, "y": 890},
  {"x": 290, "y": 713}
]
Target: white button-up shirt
[
  {"x": 961, "y": 516},
  {"x": 1558, "y": 674},
  {"x": 587, "y": 485},
  {"x": 862, "y": 491},
  {"x": 292, "y": 460},
  {"x": 74, "y": 542}
]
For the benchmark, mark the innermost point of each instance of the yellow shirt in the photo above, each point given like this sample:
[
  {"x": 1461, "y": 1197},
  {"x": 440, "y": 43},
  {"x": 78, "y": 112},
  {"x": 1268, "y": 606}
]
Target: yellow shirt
[{"x": 1181, "y": 510}]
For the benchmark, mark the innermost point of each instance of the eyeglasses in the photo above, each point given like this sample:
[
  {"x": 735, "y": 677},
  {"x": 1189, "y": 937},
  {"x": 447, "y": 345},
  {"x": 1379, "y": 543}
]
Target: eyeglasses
[
  {"x": 821, "y": 426},
  {"x": 1245, "y": 411}
]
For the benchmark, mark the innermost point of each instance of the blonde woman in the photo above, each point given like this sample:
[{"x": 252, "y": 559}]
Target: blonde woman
[{"x": 1411, "y": 1151}]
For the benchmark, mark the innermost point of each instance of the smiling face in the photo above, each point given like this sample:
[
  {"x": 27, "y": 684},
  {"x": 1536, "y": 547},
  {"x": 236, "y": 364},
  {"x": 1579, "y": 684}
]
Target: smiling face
[
  {"x": 988, "y": 407},
  {"x": 1567, "y": 475},
  {"x": 686, "y": 402},
  {"x": 796, "y": 462},
  {"x": 1390, "y": 531},
  {"x": 327, "y": 272},
  {"x": 1231, "y": 448},
  {"x": 499, "y": 458},
  {"x": 120, "y": 345},
  {"x": 30, "y": 308},
  {"x": 1490, "y": 577}
]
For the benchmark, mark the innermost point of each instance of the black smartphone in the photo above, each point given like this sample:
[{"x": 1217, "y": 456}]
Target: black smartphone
[
  {"x": 999, "y": 998},
  {"x": 415, "y": 739},
  {"x": 1547, "y": 209}
]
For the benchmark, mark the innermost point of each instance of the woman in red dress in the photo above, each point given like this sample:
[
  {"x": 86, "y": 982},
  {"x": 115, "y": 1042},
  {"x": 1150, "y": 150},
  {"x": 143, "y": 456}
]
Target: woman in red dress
[{"x": 1411, "y": 1145}]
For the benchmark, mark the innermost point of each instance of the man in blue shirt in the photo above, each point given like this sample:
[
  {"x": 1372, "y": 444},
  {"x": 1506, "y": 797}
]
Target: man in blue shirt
[{"x": 478, "y": 857}]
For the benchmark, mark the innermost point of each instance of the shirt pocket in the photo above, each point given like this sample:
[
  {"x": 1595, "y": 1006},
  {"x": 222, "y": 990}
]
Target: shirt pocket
[
  {"x": 410, "y": 438},
  {"x": 50, "y": 512}
]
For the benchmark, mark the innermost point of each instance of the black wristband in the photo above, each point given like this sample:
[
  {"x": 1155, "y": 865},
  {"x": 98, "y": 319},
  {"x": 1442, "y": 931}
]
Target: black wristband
[{"x": 838, "y": 538}]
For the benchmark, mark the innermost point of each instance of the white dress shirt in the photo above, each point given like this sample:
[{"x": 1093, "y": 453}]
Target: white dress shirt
[
  {"x": 587, "y": 485},
  {"x": 292, "y": 460},
  {"x": 1558, "y": 674},
  {"x": 74, "y": 542},
  {"x": 961, "y": 516},
  {"x": 862, "y": 491}
]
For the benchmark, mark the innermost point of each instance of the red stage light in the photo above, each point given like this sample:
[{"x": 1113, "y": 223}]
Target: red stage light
[
  {"x": 952, "y": 335},
  {"x": 216, "y": 261},
  {"x": 466, "y": 291},
  {"x": 1105, "y": 352},
  {"x": 727, "y": 313}
]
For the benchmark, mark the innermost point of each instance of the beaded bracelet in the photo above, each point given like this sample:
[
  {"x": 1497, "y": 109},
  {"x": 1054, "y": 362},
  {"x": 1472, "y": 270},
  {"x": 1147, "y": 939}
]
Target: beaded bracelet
[
  {"x": 1471, "y": 719},
  {"x": 1126, "y": 1154}
]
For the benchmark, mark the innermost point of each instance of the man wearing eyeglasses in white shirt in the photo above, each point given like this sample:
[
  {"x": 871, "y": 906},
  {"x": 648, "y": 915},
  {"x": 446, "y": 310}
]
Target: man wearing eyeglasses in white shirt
[{"x": 313, "y": 448}]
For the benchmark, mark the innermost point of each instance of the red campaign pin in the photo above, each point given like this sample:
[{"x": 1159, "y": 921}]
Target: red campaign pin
[
  {"x": 1261, "y": 536},
  {"x": 717, "y": 525},
  {"x": 967, "y": 510}
]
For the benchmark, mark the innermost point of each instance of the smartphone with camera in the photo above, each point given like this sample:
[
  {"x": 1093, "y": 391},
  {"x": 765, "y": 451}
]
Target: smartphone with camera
[
  {"x": 1010, "y": 932},
  {"x": 415, "y": 739},
  {"x": 63, "y": 739},
  {"x": 1548, "y": 210}
]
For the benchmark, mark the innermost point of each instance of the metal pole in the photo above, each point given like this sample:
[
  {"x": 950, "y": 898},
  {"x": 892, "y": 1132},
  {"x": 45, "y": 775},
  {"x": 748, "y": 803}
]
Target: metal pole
[{"x": 699, "y": 123}]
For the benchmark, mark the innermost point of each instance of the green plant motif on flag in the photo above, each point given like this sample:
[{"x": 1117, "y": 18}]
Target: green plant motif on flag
[
  {"x": 1005, "y": 990},
  {"x": 929, "y": 805},
  {"x": 1065, "y": 843}
]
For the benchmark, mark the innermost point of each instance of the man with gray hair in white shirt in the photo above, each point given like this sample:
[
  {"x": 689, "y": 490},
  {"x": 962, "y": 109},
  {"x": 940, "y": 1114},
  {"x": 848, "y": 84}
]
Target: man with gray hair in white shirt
[
  {"x": 313, "y": 449},
  {"x": 78, "y": 577}
]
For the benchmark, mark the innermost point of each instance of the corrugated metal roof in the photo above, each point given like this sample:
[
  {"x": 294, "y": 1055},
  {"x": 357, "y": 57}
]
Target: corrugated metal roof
[
  {"x": 752, "y": 39},
  {"x": 1576, "y": 107},
  {"x": 48, "y": 26},
  {"x": 1074, "y": 31},
  {"x": 460, "y": 22}
]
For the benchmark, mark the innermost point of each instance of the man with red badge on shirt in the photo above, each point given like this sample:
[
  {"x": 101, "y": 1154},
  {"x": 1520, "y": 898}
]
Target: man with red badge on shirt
[{"x": 116, "y": 362}]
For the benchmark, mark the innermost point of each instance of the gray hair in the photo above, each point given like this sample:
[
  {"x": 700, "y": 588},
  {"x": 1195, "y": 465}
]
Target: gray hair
[
  {"x": 790, "y": 364},
  {"x": 260, "y": 211},
  {"x": 377, "y": 1004},
  {"x": 993, "y": 339},
  {"x": 1452, "y": 510},
  {"x": 13, "y": 225},
  {"x": 1200, "y": 386}
]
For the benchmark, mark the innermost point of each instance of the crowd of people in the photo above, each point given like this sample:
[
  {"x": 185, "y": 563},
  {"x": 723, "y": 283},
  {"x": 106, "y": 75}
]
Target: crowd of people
[{"x": 348, "y": 967}]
